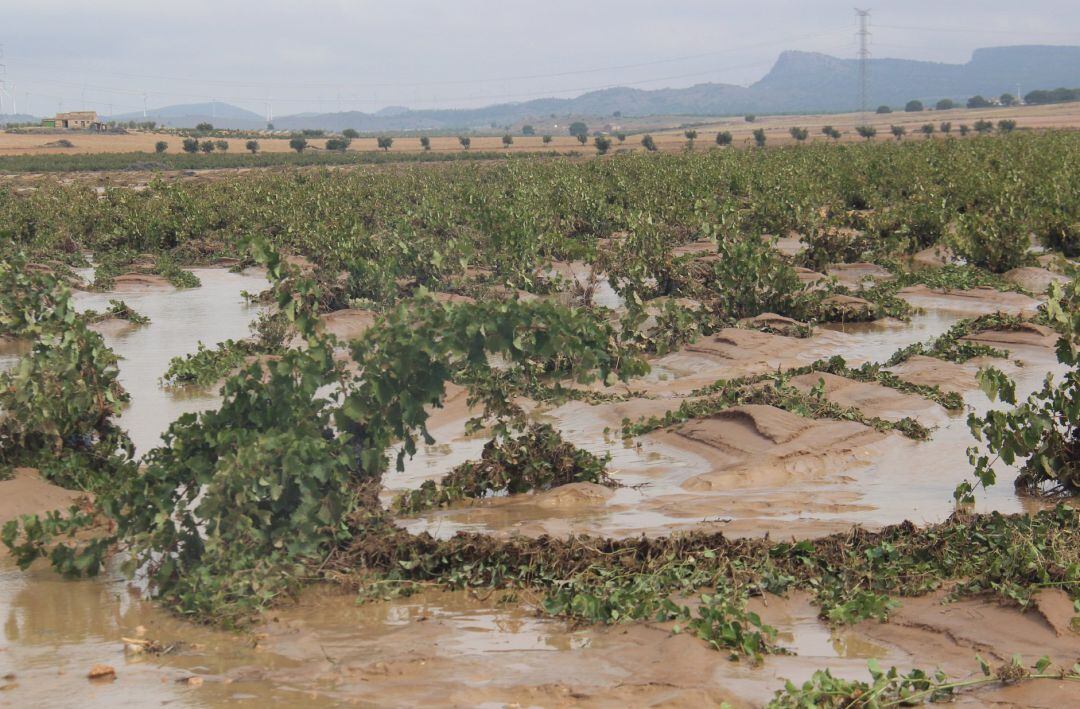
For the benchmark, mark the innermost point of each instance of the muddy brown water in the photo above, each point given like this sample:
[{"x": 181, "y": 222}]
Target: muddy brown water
[{"x": 441, "y": 648}]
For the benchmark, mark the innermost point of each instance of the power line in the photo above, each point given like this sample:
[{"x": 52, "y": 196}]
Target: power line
[{"x": 976, "y": 30}]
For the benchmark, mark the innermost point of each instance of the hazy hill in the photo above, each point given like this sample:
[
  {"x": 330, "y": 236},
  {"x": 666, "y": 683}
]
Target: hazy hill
[
  {"x": 15, "y": 118},
  {"x": 798, "y": 82},
  {"x": 189, "y": 115}
]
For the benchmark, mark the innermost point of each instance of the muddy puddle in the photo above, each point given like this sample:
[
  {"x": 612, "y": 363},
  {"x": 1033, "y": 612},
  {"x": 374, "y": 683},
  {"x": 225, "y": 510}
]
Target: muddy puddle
[
  {"x": 742, "y": 482},
  {"x": 440, "y": 648},
  {"x": 179, "y": 320}
]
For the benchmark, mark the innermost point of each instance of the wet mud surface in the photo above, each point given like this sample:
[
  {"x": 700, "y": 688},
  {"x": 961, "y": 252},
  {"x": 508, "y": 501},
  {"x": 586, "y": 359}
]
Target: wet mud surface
[{"x": 749, "y": 471}]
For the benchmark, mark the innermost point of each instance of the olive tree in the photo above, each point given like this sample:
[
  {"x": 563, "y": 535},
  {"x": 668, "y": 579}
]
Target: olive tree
[
  {"x": 799, "y": 134},
  {"x": 425, "y": 142},
  {"x": 723, "y": 138},
  {"x": 465, "y": 141},
  {"x": 252, "y": 146},
  {"x": 299, "y": 144},
  {"x": 160, "y": 147},
  {"x": 507, "y": 140},
  {"x": 649, "y": 143},
  {"x": 603, "y": 144},
  {"x": 350, "y": 133},
  {"x": 384, "y": 142},
  {"x": 867, "y": 132},
  {"x": 759, "y": 137}
]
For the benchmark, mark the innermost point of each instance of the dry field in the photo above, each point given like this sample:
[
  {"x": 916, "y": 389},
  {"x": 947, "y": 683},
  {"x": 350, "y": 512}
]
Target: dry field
[{"x": 667, "y": 139}]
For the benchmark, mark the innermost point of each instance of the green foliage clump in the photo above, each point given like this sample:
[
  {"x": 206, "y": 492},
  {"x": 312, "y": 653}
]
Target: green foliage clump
[
  {"x": 950, "y": 345},
  {"x": 1044, "y": 431},
  {"x": 206, "y": 366},
  {"x": 537, "y": 460},
  {"x": 59, "y": 399},
  {"x": 774, "y": 288},
  {"x": 118, "y": 310},
  {"x": 236, "y": 505},
  {"x": 769, "y": 390},
  {"x": 893, "y": 689}
]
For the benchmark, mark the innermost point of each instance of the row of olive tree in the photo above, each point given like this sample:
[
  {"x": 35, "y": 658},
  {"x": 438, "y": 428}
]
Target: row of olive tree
[{"x": 947, "y": 104}]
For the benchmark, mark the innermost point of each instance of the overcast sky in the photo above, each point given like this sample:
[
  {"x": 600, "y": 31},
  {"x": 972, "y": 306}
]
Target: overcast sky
[{"x": 329, "y": 55}]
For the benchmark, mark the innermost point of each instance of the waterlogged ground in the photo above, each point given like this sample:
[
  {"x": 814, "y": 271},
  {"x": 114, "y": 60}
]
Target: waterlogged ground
[{"x": 752, "y": 472}]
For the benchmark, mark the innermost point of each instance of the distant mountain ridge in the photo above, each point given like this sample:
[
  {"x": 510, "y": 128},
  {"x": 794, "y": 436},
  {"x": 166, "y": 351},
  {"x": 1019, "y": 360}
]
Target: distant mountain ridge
[{"x": 799, "y": 82}]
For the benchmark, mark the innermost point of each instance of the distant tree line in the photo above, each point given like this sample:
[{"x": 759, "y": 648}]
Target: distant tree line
[{"x": 1043, "y": 96}]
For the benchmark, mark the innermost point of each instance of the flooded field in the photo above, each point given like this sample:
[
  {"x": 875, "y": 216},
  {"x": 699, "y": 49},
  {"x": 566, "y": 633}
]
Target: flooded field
[{"x": 753, "y": 473}]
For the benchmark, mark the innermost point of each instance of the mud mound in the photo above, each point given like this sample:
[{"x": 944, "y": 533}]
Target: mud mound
[
  {"x": 853, "y": 275},
  {"x": 697, "y": 248},
  {"x": 574, "y": 495},
  {"x": 453, "y": 298},
  {"x": 872, "y": 399},
  {"x": 27, "y": 493},
  {"x": 1035, "y": 280},
  {"x": 763, "y": 445},
  {"x": 731, "y": 353},
  {"x": 930, "y": 371},
  {"x": 934, "y": 256},
  {"x": 1056, "y": 608},
  {"x": 739, "y": 343},
  {"x": 980, "y": 300},
  {"x": 772, "y": 321},
  {"x": 112, "y": 326},
  {"x": 808, "y": 277},
  {"x": 753, "y": 350},
  {"x": 959, "y": 629},
  {"x": 1026, "y": 335},
  {"x": 790, "y": 245},
  {"x": 347, "y": 324},
  {"x": 140, "y": 282},
  {"x": 848, "y": 306}
]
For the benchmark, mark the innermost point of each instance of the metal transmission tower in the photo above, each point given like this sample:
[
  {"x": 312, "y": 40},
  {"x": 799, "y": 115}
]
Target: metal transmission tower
[{"x": 864, "y": 57}]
